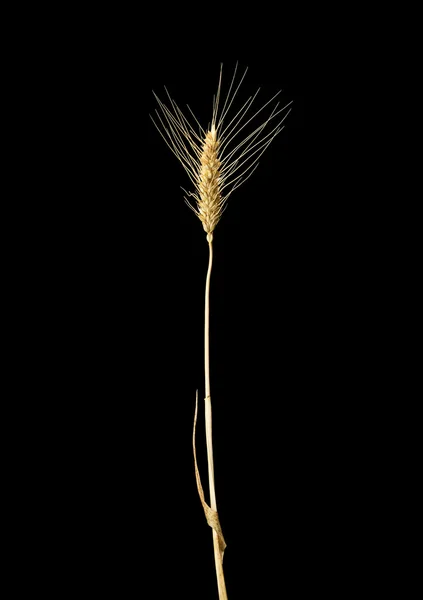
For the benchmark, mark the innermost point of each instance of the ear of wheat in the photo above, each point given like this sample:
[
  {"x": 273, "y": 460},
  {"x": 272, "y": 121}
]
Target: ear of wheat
[{"x": 217, "y": 161}]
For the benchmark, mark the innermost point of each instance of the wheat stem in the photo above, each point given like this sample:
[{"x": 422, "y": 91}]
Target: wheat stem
[
  {"x": 206, "y": 323},
  {"x": 218, "y": 558}
]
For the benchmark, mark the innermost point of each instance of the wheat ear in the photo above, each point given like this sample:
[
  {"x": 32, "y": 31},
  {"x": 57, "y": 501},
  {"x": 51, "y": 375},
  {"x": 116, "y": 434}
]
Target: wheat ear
[{"x": 217, "y": 163}]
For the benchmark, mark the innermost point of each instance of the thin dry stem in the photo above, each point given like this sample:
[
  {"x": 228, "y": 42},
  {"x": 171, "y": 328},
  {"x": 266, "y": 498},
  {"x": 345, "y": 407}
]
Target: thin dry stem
[{"x": 218, "y": 554}]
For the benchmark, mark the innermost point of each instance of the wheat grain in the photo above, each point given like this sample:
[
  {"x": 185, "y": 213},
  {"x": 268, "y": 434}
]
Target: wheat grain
[{"x": 209, "y": 203}]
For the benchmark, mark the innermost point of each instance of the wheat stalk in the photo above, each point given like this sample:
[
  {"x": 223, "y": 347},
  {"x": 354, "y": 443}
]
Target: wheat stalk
[{"x": 217, "y": 162}]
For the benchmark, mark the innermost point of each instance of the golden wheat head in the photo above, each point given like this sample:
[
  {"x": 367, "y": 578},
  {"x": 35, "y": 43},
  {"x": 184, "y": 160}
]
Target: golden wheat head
[{"x": 215, "y": 159}]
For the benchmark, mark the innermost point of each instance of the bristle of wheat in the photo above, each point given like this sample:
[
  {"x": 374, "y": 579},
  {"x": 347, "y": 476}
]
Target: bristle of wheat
[{"x": 209, "y": 200}]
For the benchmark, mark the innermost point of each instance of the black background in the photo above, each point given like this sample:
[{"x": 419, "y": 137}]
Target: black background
[{"x": 118, "y": 288}]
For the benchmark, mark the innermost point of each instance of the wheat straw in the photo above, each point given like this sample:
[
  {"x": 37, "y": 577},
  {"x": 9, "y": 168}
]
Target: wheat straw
[{"x": 217, "y": 162}]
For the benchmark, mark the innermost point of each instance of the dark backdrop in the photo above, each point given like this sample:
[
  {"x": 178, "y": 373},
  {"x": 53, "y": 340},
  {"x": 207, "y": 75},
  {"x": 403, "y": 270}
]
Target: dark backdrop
[{"x": 119, "y": 278}]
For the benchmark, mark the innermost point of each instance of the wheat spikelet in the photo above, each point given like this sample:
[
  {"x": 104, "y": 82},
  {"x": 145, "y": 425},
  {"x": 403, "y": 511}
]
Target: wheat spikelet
[
  {"x": 215, "y": 161},
  {"x": 209, "y": 204}
]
